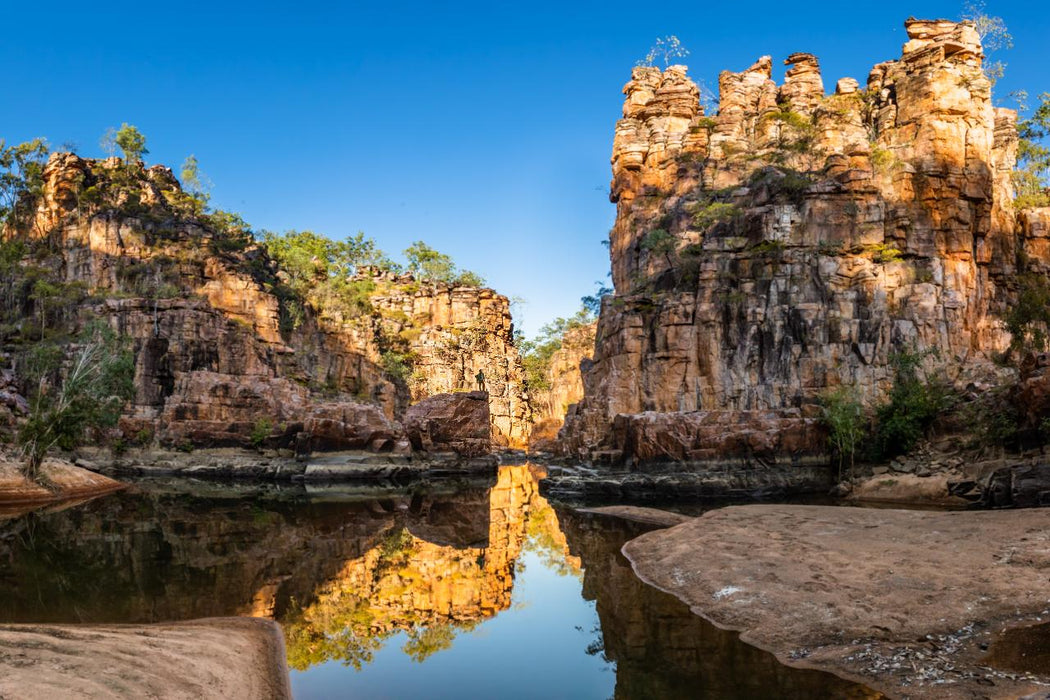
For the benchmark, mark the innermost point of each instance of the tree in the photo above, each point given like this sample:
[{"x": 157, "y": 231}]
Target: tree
[
  {"x": 193, "y": 180},
  {"x": 130, "y": 141},
  {"x": 994, "y": 36},
  {"x": 68, "y": 401},
  {"x": 1032, "y": 177},
  {"x": 21, "y": 177},
  {"x": 665, "y": 48},
  {"x": 592, "y": 303},
  {"x": 430, "y": 265}
]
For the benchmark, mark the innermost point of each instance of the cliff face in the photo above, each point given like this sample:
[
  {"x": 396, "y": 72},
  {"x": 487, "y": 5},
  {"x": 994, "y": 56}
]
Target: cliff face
[
  {"x": 216, "y": 355},
  {"x": 563, "y": 384},
  {"x": 793, "y": 242}
]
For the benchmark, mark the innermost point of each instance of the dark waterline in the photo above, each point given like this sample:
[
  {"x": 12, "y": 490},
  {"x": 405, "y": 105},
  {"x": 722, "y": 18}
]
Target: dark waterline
[{"x": 469, "y": 589}]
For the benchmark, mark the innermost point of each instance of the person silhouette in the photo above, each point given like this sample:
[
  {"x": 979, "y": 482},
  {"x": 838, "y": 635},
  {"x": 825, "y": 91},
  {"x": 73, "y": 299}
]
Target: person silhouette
[{"x": 480, "y": 377}]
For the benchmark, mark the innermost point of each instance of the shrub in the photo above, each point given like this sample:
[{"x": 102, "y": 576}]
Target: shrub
[
  {"x": 911, "y": 407},
  {"x": 1028, "y": 318},
  {"x": 711, "y": 213},
  {"x": 89, "y": 394},
  {"x": 260, "y": 432},
  {"x": 843, "y": 414}
]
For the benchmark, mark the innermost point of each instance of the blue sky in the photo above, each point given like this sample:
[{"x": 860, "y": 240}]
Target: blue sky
[{"x": 482, "y": 128}]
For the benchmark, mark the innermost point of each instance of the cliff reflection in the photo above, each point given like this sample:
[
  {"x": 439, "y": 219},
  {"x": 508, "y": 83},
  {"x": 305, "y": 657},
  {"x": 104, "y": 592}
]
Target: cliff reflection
[
  {"x": 408, "y": 583},
  {"x": 347, "y": 573},
  {"x": 661, "y": 649},
  {"x": 342, "y": 573}
]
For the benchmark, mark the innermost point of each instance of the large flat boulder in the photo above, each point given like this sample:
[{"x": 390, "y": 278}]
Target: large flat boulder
[
  {"x": 456, "y": 423},
  {"x": 904, "y": 601},
  {"x": 64, "y": 481},
  {"x": 229, "y": 658}
]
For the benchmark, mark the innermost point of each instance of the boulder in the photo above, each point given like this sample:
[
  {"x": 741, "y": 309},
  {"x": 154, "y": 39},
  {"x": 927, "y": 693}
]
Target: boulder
[
  {"x": 450, "y": 423},
  {"x": 348, "y": 426}
]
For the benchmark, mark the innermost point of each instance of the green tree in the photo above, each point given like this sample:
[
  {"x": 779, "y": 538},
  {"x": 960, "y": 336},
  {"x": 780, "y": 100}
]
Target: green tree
[
  {"x": 130, "y": 141},
  {"x": 21, "y": 177},
  {"x": 68, "y": 401},
  {"x": 994, "y": 36},
  {"x": 913, "y": 403},
  {"x": 1028, "y": 318},
  {"x": 430, "y": 265},
  {"x": 194, "y": 181},
  {"x": 1032, "y": 177}
]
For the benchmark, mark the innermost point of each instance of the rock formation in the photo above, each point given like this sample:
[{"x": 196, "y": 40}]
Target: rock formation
[
  {"x": 564, "y": 384},
  {"x": 811, "y": 238},
  {"x": 217, "y": 359}
]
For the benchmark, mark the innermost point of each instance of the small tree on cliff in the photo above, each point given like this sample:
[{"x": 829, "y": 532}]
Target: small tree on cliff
[
  {"x": 21, "y": 177},
  {"x": 430, "y": 265},
  {"x": 70, "y": 399},
  {"x": 994, "y": 36},
  {"x": 128, "y": 139},
  {"x": 667, "y": 49}
]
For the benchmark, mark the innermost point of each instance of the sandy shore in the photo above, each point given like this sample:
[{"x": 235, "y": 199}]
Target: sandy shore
[
  {"x": 212, "y": 658},
  {"x": 907, "y": 602}
]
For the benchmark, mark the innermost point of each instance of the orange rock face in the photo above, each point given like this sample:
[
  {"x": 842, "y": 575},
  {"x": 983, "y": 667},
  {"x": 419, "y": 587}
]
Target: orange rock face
[
  {"x": 813, "y": 236},
  {"x": 214, "y": 366}
]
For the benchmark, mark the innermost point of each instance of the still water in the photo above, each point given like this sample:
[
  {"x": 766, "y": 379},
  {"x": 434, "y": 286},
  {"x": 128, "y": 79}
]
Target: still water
[{"x": 461, "y": 589}]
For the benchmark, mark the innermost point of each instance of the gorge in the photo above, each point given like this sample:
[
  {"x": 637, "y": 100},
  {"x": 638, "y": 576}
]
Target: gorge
[{"x": 347, "y": 475}]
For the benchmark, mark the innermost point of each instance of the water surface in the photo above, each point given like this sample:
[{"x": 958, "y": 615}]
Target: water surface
[{"x": 461, "y": 589}]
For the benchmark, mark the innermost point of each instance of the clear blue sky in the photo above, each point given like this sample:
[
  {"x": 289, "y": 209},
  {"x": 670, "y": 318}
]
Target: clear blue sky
[{"x": 481, "y": 128}]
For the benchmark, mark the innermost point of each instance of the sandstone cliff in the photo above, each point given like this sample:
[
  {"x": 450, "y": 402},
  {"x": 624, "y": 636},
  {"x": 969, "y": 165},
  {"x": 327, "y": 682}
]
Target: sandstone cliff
[
  {"x": 560, "y": 383},
  {"x": 793, "y": 242},
  {"x": 219, "y": 358}
]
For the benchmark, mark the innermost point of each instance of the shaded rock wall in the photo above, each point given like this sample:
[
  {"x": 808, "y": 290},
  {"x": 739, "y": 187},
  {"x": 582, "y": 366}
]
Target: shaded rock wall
[{"x": 812, "y": 237}]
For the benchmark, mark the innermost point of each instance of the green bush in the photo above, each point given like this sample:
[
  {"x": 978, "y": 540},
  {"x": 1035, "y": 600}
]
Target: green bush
[
  {"x": 1028, "y": 318},
  {"x": 261, "y": 431},
  {"x": 711, "y": 213},
  {"x": 68, "y": 400},
  {"x": 843, "y": 415},
  {"x": 911, "y": 407}
]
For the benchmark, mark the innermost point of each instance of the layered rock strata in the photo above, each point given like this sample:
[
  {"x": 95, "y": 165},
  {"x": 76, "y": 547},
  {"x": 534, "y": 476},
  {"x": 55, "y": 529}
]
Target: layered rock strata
[
  {"x": 217, "y": 362},
  {"x": 793, "y": 243}
]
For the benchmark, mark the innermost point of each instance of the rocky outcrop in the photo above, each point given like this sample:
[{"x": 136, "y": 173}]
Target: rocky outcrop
[
  {"x": 794, "y": 242},
  {"x": 885, "y": 597},
  {"x": 64, "y": 482},
  {"x": 221, "y": 358},
  {"x": 235, "y": 658},
  {"x": 450, "y": 423}
]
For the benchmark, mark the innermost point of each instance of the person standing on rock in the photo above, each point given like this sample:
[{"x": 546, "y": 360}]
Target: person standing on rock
[{"x": 480, "y": 377}]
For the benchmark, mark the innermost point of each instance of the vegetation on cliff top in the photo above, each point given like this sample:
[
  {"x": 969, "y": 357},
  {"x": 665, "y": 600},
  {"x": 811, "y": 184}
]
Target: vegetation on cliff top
[{"x": 175, "y": 232}]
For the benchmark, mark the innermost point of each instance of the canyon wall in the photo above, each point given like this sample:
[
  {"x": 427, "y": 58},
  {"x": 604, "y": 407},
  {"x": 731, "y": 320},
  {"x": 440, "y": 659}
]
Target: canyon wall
[
  {"x": 792, "y": 243},
  {"x": 218, "y": 358},
  {"x": 562, "y": 384}
]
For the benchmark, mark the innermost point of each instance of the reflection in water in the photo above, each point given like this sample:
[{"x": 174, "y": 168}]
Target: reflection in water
[
  {"x": 660, "y": 648},
  {"x": 369, "y": 587}
]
